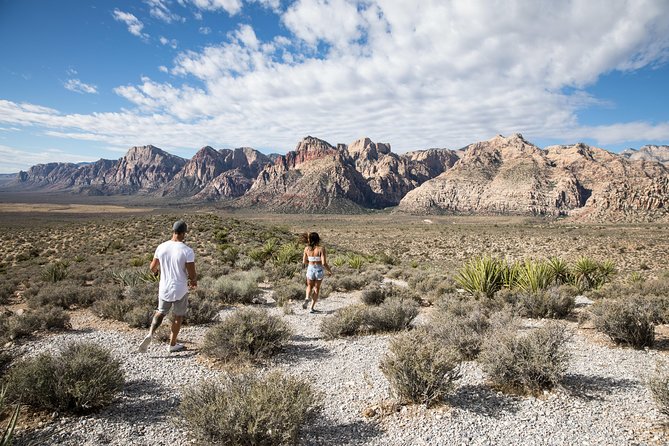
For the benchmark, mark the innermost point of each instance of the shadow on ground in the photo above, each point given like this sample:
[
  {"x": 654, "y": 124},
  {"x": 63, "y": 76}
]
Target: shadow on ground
[
  {"x": 325, "y": 432},
  {"x": 483, "y": 400},
  {"x": 588, "y": 387}
]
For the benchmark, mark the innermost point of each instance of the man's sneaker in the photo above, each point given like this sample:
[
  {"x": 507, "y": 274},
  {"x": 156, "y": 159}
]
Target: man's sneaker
[
  {"x": 176, "y": 348},
  {"x": 145, "y": 344}
]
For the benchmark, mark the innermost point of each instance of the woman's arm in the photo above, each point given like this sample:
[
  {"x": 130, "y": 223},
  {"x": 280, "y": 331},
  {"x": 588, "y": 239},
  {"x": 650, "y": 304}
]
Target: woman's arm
[
  {"x": 305, "y": 258},
  {"x": 324, "y": 259}
]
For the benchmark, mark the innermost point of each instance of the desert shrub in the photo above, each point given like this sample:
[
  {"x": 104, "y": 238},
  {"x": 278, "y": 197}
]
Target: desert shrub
[
  {"x": 659, "y": 387},
  {"x": 140, "y": 316},
  {"x": 394, "y": 314},
  {"x": 460, "y": 324},
  {"x": 133, "y": 277},
  {"x": 387, "y": 259},
  {"x": 43, "y": 318},
  {"x": 65, "y": 295},
  {"x": 244, "y": 409},
  {"x": 374, "y": 295},
  {"x": 430, "y": 285},
  {"x": 54, "y": 272},
  {"x": 287, "y": 290},
  {"x": 419, "y": 368},
  {"x": 201, "y": 310},
  {"x": 347, "y": 282},
  {"x": 481, "y": 275},
  {"x": 228, "y": 253},
  {"x": 82, "y": 378},
  {"x": 6, "y": 292},
  {"x": 248, "y": 333},
  {"x": 241, "y": 287},
  {"x": 556, "y": 303},
  {"x": 345, "y": 322},
  {"x": 528, "y": 363},
  {"x": 626, "y": 321}
]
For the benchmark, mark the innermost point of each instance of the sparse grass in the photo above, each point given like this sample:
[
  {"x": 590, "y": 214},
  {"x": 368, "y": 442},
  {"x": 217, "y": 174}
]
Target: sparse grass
[
  {"x": 420, "y": 368},
  {"x": 82, "y": 378},
  {"x": 247, "y": 334},
  {"x": 245, "y": 409}
]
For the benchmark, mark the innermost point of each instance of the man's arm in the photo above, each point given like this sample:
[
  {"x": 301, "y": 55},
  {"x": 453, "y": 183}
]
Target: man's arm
[
  {"x": 155, "y": 266},
  {"x": 192, "y": 275}
]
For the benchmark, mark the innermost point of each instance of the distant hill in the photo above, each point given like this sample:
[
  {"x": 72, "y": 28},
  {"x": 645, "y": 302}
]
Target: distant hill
[{"x": 504, "y": 175}]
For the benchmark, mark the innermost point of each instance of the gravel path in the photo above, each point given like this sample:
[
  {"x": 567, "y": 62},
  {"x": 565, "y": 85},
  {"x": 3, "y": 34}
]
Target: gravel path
[{"x": 603, "y": 400}]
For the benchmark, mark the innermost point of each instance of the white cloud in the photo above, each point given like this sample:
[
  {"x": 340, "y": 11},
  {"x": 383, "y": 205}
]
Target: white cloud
[
  {"x": 15, "y": 160},
  {"x": 79, "y": 87},
  {"x": 274, "y": 5},
  {"x": 169, "y": 42},
  {"x": 415, "y": 74},
  {"x": 205, "y": 30},
  {"x": 159, "y": 10},
  {"x": 134, "y": 25},
  {"x": 232, "y": 7}
]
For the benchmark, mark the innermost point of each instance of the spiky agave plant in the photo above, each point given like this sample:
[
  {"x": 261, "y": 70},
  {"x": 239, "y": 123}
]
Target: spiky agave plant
[
  {"x": 535, "y": 276},
  {"x": 561, "y": 272},
  {"x": 585, "y": 273},
  {"x": 481, "y": 275}
]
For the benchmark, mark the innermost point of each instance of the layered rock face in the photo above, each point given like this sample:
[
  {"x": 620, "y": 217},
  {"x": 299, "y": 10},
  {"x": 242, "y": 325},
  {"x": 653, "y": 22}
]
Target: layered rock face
[
  {"x": 212, "y": 174},
  {"x": 659, "y": 154},
  {"x": 317, "y": 176},
  {"x": 512, "y": 176}
]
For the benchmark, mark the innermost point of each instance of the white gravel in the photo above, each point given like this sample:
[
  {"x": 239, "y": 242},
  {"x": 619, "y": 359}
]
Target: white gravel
[{"x": 603, "y": 400}]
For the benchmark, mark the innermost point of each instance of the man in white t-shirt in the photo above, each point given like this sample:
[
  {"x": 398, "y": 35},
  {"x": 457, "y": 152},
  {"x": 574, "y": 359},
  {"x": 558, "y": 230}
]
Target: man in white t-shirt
[{"x": 176, "y": 262}]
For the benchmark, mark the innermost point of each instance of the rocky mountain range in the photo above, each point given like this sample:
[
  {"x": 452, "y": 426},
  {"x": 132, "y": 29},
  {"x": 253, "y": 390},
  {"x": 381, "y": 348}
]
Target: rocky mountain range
[{"x": 504, "y": 175}]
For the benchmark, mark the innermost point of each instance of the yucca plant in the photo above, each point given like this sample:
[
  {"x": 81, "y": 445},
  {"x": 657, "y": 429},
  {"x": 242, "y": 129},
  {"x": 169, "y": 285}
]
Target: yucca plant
[
  {"x": 636, "y": 277},
  {"x": 8, "y": 434},
  {"x": 534, "y": 276},
  {"x": 510, "y": 272},
  {"x": 585, "y": 273},
  {"x": 561, "y": 273},
  {"x": 356, "y": 262},
  {"x": 55, "y": 272},
  {"x": 339, "y": 261},
  {"x": 481, "y": 275},
  {"x": 288, "y": 254}
]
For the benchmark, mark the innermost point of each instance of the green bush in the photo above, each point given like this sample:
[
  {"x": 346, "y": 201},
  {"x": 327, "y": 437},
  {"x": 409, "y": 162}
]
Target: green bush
[
  {"x": 534, "y": 276},
  {"x": 82, "y": 378},
  {"x": 419, "y": 368},
  {"x": 626, "y": 321},
  {"x": 243, "y": 409},
  {"x": 589, "y": 274},
  {"x": 525, "y": 364},
  {"x": 556, "y": 303},
  {"x": 288, "y": 254},
  {"x": 659, "y": 387},
  {"x": 248, "y": 333}
]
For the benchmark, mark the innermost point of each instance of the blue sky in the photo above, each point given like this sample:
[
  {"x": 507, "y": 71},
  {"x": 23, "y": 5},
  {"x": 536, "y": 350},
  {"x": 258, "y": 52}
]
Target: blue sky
[{"x": 83, "y": 80}]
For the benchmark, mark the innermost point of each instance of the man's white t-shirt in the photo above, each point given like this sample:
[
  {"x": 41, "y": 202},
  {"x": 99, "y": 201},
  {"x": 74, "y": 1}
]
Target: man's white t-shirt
[{"x": 173, "y": 257}]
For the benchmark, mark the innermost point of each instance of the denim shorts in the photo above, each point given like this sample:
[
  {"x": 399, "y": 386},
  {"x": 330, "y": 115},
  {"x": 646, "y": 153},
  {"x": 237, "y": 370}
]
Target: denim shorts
[
  {"x": 180, "y": 306},
  {"x": 315, "y": 272}
]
